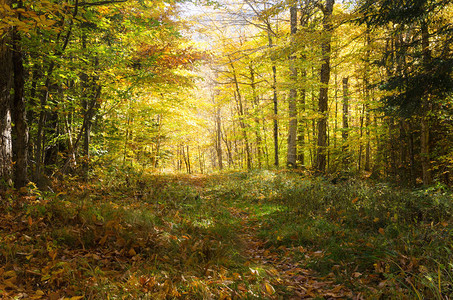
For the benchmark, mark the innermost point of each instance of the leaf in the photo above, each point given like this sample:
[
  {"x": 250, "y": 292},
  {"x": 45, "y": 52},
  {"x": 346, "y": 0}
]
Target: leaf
[
  {"x": 104, "y": 239},
  {"x": 355, "y": 199},
  {"x": 9, "y": 274},
  {"x": 132, "y": 252},
  {"x": 381, "y": 231},
  {"x": 269, "y": 288}
]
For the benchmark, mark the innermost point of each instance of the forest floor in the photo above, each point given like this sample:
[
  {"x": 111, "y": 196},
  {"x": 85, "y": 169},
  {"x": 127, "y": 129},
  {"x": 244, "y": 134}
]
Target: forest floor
[{"x": 259, "y": 235}]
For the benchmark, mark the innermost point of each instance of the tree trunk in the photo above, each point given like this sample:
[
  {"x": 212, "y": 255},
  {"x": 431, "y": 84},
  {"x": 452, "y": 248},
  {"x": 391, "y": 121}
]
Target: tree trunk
[
  {"x": 255, "y": 102},
  {"x": 238, "y": 97},
  {"x": 292, "y": 130},
  {"x": 425, "y": 126},
  {"x": 219, "y": 139},
  {"x": 324, "y": 89},
  {"x": 345, "y": 131},
  {"x": 6, "y": 84},
  {"x": 20, "y": 129},
  {"x": 367, "y": 99},
  {"x": 274, "y": 98}
]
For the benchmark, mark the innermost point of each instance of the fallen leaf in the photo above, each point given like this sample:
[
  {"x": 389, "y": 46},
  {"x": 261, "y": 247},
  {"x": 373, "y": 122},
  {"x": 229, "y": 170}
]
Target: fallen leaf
[
  {"x": 132, "y": 252},
  {"x": 269, "y": 288}
]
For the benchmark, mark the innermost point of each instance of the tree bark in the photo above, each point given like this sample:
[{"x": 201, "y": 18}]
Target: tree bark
[
  {"x": 274, "y": 98},
  {"x": 324, "y": 89},
  {"x": 241, "y": 118},
  {"x": 425, "y": 126},
  {"x": 292, "y": 130},
  {"x": 218, "y": 122},
  {"x": 20, "y": 129},
  {"x": 345, "y": 131},
  {"x": 255, "y": 102},
  {"x": 6, "y": 84}
]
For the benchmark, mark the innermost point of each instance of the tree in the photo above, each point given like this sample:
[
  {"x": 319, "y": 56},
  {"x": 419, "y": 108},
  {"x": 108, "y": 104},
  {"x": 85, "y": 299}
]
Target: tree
[
  {"x": 321, "y": 156},
  {"x": 420, "y": 68},
  {"x": 6, "y": 85},
  {"x": 292, "y": 131}
]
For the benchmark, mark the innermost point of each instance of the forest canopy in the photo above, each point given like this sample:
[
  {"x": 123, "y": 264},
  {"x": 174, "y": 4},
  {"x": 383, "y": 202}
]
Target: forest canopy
[{"x": 359, "y": 87}]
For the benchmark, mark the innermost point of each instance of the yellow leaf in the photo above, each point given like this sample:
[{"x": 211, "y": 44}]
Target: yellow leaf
[
  {"x": 376, "y": 220},
  {"x": 269, "y": 288}
]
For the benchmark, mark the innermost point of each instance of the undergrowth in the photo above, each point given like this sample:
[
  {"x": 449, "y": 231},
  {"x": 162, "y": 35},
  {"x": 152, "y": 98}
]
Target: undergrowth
[{"x": 138, "y": 235}]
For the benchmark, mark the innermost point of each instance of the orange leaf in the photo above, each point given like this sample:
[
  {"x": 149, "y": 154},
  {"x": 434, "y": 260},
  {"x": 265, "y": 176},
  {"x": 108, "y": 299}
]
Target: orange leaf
[
  {"x": 355, "y": 200},
  {"x": 381, "y": 231}
]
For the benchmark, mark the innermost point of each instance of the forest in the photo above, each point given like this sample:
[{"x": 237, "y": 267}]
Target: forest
[{"x": 226, "y": 149}]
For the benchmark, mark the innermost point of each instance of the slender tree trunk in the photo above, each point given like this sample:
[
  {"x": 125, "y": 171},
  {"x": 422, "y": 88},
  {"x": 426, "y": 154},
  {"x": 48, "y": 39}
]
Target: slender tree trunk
[
  {"x": 292, "y": 130},
  {"x": 367, "y": 99},
  {"x": 255, "y": 102},
  {"x": 336, "y": 112},
  {"x": 200, "y": 160},
  {"x": 413, "y": 175},
  {"x": 158, "y": 141},
  {"x": 361, "y": 137},
  {"x": 345, "y": 131},
  {"x": 324, "y": 89},
  {"x": 219, "y": 139},
  {"x": 425, "y": 126},
  {"x": 301, "y": 129},
  {"x": 229, "y": 147},
  {"x": 188, "y": 160},
  {"x": 274, "y": 98},
  {"x": 241, "y": 118}
]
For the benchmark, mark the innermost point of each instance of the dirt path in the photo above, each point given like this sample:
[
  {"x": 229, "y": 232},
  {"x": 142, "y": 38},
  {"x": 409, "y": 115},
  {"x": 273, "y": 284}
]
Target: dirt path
[{"x": 289, "y": 278}]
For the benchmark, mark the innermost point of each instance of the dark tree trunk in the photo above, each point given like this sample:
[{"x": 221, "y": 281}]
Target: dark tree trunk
[
  {"x": 321, "y": 157},
  {"x": 255, "y": 103},
  {"x": 20, "y": 129},
  {"x": 6, "y": 84},
  {"x": 425, "y": 126},
  {"x": 238, "y": 97},
  {"x": 345, "y": 131}
]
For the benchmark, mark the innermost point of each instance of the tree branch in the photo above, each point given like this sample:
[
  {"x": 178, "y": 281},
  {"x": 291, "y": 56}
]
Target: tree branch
[{"x": 101, "y": 2}]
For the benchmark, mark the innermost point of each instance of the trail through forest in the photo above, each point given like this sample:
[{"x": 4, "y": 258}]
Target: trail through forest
[
  {"x": 258, "y": 235},
  {"x": 283, "y": 268}
]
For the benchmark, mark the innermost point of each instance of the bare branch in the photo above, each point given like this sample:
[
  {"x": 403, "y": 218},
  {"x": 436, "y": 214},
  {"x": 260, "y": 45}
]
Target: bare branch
[{"x": 101, "y": 3}]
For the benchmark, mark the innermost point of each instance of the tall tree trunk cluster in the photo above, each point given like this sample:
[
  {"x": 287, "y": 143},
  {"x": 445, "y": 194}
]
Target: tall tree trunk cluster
[{"x": 13, "y": 125}]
